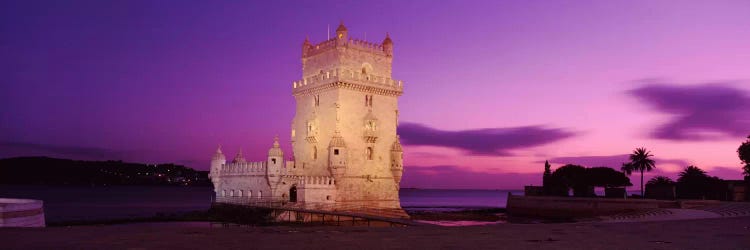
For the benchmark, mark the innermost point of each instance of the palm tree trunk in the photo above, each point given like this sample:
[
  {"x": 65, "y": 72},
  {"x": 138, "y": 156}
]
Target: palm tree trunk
[{"x": 642, "y": 195}]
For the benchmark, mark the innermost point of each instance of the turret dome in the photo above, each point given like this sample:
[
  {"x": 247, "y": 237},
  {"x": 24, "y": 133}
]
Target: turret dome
[
  {"x": 341, "y": 27},
  {"x": 387, "y": 40},
  {"x": 219, "y": 155},
  {"x": 341, "y": 32},
  {"x": 239, "y": 158},
  {"x": 276, "y": 149}
]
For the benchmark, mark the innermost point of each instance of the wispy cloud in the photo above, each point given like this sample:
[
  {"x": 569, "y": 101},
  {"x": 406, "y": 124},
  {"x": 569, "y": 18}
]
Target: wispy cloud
[
  {"x": 713, "y": 107},
  {"x": 490, "y": 141}
]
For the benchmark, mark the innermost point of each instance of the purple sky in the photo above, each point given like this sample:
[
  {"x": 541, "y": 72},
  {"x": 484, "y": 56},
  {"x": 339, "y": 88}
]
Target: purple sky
[{"x": 492, "y": 88}]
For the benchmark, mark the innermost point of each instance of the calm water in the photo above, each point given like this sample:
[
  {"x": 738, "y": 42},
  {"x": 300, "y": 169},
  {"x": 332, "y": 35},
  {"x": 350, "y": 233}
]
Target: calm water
[
  {"x": 461, "y": 198},
  {"x": 96, "y": 203}
]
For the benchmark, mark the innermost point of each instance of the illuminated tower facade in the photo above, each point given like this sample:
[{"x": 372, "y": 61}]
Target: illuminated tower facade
[{"x": 346, "y": 118}]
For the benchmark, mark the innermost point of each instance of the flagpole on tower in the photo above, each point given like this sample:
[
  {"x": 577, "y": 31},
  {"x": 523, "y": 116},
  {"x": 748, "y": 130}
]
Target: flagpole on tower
[{"x": 328, "y": 32}]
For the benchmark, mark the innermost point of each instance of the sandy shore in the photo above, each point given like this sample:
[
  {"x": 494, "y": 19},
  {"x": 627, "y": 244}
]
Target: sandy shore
[{"x": 721, "y": 233}]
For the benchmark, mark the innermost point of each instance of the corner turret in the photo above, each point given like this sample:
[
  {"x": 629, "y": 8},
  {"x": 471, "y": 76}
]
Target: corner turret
[
  {"x": 306, "y": 46},
  {"x": 341, "y": 32},
  {"x": 275, "y": 162},
  {"x": 397, "y": 160},
  {"x": 217, "y": 162},
  {"x": 388, "y": 45}
]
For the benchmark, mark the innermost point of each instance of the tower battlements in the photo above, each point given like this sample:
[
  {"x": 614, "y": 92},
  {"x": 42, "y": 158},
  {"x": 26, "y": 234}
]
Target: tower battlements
[{"x": 351, "y": 43}]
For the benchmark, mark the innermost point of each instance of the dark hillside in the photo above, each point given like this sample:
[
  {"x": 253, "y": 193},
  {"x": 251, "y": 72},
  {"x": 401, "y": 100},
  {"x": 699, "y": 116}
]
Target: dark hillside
[{"x": 52, "y": 171}]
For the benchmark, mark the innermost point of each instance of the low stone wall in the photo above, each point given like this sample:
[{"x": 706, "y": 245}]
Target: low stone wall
[
  {"x": 690, "y": 204},
  {"x": 21, "y": 213},
  {"x": 570, "y": 207}
]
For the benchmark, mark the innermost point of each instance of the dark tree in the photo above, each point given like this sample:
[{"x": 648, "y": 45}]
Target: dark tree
[
  {"x": 573, "y": 177},
  {"x": 582, "y": 180},
  {"x": 553, "y": 184},
  {"x": 694, "y": 183},
  {"x": 744, "y": 153},
  {"x": 547, "y": 174},
  {"x": 692, "y": 173},
  {"x": 660, "y": 180},
  {"x": 606, "y": 177},
  {"x": 640, "y": 161}
]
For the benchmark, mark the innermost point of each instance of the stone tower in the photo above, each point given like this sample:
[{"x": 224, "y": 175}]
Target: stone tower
[
  {"x": 346, "y": 119},
  {"x": 217, "y": 161}
]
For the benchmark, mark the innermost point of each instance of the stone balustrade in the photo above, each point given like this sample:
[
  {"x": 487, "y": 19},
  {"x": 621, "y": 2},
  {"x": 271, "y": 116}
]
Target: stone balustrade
[{"x": 350, "y": 76}]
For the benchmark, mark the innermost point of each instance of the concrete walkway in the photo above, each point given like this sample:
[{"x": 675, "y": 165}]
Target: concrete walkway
[{"x": 733, "y": 209}]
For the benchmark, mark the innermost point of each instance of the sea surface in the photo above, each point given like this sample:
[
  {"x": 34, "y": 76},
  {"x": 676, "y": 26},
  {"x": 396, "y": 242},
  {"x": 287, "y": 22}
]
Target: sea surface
[{"x": 64, "y": 203}]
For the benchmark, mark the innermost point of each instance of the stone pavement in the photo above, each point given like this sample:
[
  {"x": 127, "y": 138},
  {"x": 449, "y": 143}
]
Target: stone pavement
[{"x": 729, "y": 209}]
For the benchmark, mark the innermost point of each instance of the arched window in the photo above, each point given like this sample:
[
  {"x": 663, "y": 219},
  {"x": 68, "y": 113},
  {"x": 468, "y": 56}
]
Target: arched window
[
  {"x": 315, "y": 152},
  {"x": 368, "y": 100},
  {"x": 250, "y": 193},
  {"x": 273, "y": 160},
  {"x": 369, "y": 153},
  {"x": 260, "y": 194},
  {"x": 224, "y": 193},
  {"x": 231, "y": 193},
  {"x": 239, "y": 193}
]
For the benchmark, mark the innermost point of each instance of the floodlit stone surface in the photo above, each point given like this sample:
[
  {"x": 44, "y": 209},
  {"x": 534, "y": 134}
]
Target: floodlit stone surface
[{"x": 346, "y": 150}]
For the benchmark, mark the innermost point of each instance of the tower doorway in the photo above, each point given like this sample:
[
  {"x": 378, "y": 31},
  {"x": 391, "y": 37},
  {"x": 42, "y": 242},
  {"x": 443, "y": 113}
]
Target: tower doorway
[{"x": 293, "y": 194}]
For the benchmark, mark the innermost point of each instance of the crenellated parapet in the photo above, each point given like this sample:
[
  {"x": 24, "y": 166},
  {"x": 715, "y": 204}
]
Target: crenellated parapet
[
  {"x": 242, "y": 168},
  {"x": 333, "y": 43},
  {"x": 343, "y": 41}
]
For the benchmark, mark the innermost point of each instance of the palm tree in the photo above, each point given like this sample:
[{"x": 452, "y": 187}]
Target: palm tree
[
  {"x": 692, "y": 173},
  {"x": 693, "y": 183},
  {"x": 660, "y": 180},
  {"x": 640, "y": 160}
]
